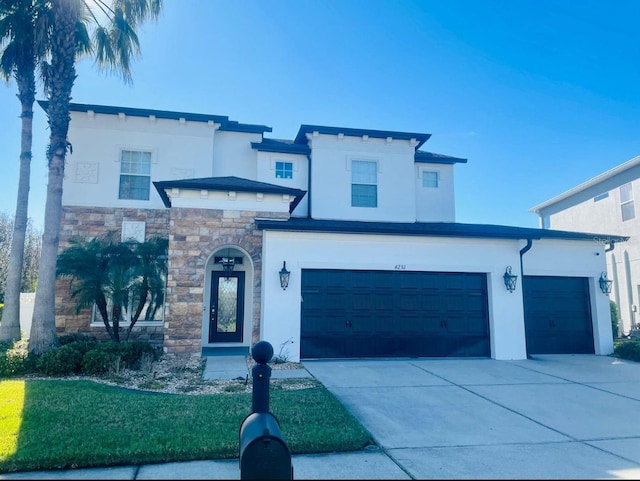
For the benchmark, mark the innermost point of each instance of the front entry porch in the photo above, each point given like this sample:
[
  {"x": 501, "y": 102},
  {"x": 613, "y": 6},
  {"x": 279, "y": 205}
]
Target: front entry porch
[{"x": 227, "y": 320}]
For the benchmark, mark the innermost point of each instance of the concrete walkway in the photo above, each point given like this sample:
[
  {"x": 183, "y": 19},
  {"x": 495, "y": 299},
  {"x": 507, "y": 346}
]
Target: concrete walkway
[
  {"x": 552, "y": 417},
  {"x": 235, "y": 367}
]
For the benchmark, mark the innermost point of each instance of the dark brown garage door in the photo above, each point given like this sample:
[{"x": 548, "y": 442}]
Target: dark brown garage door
[
  {"x": 351, "y": 314},
  {"x": 557, "y": 315}
]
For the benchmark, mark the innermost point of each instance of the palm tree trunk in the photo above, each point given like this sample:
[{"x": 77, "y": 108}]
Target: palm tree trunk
[
  {"x": 60, "y": 84},
  {"x": 10, "y": 325}
]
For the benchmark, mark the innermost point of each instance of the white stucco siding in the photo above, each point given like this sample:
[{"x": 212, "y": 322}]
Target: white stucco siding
[
  {"x": 601, "y": 216},
  {"x": 549, "y": 257},
  {"x": 92, "y": 173},
  {"x": 331, "y": 159},
  {"x": 234, "y": 156},
  {"x": 624, "y": 271},
  {"x": 300, "y": 178},
  {"x": 435, "y": 204},
  {"x": 281, "y": 309},
  {"x": 237, "y": 201}
]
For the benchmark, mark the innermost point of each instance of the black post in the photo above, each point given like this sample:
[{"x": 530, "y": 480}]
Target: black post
[
  {"x": 263, "y": 453},
  {"x": 262, "y": 352}
]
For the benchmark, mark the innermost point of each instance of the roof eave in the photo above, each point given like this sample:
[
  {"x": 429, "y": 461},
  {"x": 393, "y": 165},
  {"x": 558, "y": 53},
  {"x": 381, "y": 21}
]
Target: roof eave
[{"x": 585, "y": 185}]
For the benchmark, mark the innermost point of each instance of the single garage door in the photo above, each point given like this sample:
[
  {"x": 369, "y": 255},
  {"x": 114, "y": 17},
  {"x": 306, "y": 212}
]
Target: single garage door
[
  {"x": 352, "y": 314},
  {"x": 557, "y": 315}
]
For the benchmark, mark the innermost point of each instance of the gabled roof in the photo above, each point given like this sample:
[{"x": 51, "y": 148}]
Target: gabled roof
[
  {"x": 438, "y": 229},
  {"x": 223, "y": 120},
  {"x": 432, "y": 158},
  {"x": 588, "y": 184},
  {"x": 301, "y": 137},
  {"x": 234, "y": 184},
  {"x": 281, "y": 146}
]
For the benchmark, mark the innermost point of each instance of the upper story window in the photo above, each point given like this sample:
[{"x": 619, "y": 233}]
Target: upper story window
[
  {"x": 364, "y": 183},
  {"x": 135, "y": 174},
  {"x": 284, "y": 170},
  {"x": 430, "y": 179},
  {"x": 626, "y": 202}
]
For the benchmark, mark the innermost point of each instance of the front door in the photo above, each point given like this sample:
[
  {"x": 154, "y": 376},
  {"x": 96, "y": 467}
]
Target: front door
[{"x": 226, "y": 314}]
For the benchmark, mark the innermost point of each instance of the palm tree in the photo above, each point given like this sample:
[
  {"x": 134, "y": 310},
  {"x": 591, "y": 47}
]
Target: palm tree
[
  {"x": 116, "y": 277},
  {"x": 114, "y": 43},
  {"x": 149, "y": 290},
  {"x": 23, "y": 26}
]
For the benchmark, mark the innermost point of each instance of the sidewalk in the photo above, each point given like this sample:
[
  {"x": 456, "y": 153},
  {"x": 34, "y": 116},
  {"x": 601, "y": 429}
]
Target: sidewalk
[{"x": 368, "y": 464}]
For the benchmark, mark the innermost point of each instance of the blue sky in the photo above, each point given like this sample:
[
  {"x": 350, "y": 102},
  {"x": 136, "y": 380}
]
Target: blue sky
[{"x": 539, "y": 96}]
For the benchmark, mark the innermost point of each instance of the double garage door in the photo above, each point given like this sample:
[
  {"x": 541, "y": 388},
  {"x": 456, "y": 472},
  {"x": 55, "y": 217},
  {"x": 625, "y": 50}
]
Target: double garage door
[
  {"x": 350, "y": 314},
  {"x": 357, "y": 314}
]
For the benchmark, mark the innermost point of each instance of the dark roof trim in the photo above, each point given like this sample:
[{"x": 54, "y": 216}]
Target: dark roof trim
[
  {"x": 428, "y": 229},
  {"x": 234, "y": 184},
  {"x": 432, "y": 158},
  {"x": 280, "y": 146},
  {"x": 378, "y": 134},
  {"x": 223, "y": 120},
  {"x": 233, "y": 126}
]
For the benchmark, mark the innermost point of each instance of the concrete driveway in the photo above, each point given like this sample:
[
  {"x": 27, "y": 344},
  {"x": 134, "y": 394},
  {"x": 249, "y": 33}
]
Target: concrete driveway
[{"x": 554, "y": 416}]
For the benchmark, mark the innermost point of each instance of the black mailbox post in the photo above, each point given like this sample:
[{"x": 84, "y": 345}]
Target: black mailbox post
[{"x": 263, "y": 451}]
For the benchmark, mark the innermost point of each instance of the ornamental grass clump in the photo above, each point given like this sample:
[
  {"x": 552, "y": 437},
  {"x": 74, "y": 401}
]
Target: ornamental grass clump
[{"x": 15, "y": 359}]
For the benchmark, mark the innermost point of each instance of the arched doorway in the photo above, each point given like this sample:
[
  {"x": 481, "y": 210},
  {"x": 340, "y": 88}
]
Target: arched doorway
[{"x": 228, "y": 294}]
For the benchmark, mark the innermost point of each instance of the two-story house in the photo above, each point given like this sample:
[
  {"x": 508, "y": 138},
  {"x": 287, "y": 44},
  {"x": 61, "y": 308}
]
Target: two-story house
[
  {"x": 606, "y": 203},
  {"x": 339, "y": 243}
]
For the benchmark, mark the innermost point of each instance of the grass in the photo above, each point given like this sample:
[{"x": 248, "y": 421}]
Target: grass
[{"x": 59, "y": 424}]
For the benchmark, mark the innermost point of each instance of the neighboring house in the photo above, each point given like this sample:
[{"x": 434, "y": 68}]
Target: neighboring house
[
  {"x": 364, "y": 222},
  {"x": 606, "y": 203}
]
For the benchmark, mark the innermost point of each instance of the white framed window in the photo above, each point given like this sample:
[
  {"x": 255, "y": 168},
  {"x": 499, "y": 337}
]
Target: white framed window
[
  {"x": 364, "y": 183},
  {"x": 153, "y": 310},
  {"x": 149, "y": 314},
  {"x": 626, "y": 202},
  {"x": 284, "y": 170},
  {"x": 430, "y": 179},
  {"x": 133, "y": 230},
  {"x": 135, "y": 174}
]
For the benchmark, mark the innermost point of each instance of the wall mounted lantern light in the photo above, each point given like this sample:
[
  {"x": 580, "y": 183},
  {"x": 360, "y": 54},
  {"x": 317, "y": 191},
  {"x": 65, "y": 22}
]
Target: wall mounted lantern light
[
  {"x": 228, "y": 264},
  {"x": 284, "y": 276},
  {"x": 605, "y": 284},
  {"x": 510, "y": 280}
]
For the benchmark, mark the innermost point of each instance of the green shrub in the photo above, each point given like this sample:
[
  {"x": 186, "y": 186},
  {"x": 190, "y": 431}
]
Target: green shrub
[
  {"x": 75, "y": 337},
  {"x": 615, "y": 318},
  {"x": 78, "y": 353},
  {"x": 628, "y": 350},
  {"x": 131, "y": 353},
  {"x": 98, "y": 361},
  {"x": 1, "y": 308},
  {"x": 60, "y": 361},
  {"x": 83, "y": 346},
  {"x": 135, "y": 351}
]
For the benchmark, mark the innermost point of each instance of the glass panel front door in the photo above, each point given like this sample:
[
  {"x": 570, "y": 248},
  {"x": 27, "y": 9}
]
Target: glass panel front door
[{"x": 226, "y": 313}]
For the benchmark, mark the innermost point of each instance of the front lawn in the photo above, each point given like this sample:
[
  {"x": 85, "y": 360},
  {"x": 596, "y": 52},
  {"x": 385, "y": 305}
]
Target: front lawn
[{"x": 53, "y": 424}]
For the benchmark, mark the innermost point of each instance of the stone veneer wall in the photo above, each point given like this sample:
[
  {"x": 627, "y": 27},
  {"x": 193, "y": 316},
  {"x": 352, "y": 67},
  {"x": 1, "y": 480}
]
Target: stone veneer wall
[
  {"x": 194, "y": 234},
  {"x": 89, "y": 222}
]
